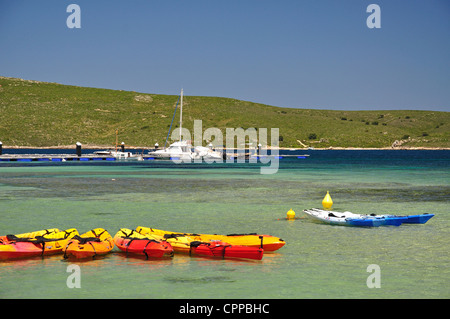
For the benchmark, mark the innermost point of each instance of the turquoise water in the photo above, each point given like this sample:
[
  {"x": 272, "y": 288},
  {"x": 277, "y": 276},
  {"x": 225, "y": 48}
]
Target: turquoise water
[{"x": 318, "y": 260}]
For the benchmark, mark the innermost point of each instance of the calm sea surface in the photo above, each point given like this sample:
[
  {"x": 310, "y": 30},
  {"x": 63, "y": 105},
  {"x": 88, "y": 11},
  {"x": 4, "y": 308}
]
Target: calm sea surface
[{"x": 318, "y": 260}]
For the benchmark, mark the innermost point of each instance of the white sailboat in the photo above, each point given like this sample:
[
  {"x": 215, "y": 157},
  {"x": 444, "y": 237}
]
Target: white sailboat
[{"x": 181, "y": 150}]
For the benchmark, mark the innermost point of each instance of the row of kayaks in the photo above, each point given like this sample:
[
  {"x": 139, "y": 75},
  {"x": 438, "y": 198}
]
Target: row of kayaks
[
  {"x": 142, "y": 241},
  {"x": 351, "y": 219}
]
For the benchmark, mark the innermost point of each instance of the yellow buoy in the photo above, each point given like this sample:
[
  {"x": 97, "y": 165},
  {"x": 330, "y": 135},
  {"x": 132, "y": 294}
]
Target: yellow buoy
[
  {"x": 327, "y": 202},
  {"x": 290, "y": 214}
]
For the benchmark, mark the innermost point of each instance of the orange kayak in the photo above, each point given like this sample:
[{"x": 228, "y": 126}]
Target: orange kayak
[
  {"x": 23, "y": 247},
  {"x": 95, "y": 242}
]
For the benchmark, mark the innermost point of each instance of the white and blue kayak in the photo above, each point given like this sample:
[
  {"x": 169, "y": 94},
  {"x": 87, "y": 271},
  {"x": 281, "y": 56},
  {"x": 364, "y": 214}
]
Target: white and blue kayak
[{"x": 351, "y": 219}]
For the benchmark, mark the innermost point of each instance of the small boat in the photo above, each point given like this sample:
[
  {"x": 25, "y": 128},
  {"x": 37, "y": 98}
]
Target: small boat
[
  {"x": 133, "y": 242},
  {"x": 94, "y": 243},
  {"x": 351, "y": 219},
  {"x": 267, "y": 242},
  {"x": 47, "y": 244},
  {"x": 224, "y": 250},
  {"x": 181, "y": 150},
  {"x": 120, "y": 155}
]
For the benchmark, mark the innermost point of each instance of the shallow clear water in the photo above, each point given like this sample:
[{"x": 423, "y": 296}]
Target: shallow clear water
[{"x": 318, "y": 260}]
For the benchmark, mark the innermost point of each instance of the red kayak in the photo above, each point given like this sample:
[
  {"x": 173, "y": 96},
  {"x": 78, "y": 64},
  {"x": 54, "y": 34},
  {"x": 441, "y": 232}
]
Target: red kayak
[
  {"x": 224, "y": 250},
  {"x": 132, "y": 242}
]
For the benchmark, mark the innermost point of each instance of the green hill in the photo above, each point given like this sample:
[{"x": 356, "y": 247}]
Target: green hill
[{"x": 40, "y": 114}]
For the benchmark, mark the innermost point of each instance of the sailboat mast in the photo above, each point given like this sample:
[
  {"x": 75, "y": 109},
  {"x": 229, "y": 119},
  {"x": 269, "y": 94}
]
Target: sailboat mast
[
  {"x": 181, "y": 113},
  {"x": 117, "y": 132}
]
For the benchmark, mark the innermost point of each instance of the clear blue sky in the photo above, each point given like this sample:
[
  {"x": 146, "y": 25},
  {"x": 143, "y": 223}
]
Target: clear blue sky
[{"x": 288, "y": 53}]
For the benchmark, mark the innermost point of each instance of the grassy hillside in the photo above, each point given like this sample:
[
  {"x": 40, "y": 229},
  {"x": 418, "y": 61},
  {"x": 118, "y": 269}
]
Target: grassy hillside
[{"x": 48, "y": 114}]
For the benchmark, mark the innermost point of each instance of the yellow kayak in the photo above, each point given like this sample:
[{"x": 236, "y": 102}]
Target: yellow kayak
[
  {"x": 47, "y": 244},
  {"x": 34, "y": 234},
  {"x": 267, "y": 242}
]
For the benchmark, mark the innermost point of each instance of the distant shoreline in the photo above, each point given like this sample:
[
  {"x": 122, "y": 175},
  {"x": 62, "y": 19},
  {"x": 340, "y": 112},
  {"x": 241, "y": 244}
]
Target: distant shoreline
[{"x": 280, "y": 148}]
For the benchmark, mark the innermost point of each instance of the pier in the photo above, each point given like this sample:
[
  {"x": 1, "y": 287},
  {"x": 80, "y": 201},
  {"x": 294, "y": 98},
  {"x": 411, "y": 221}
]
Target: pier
[
  {"x": 53, "y": 157},
  {"x": 95, "y": 157},
  {"x": 77, "y": 156}
]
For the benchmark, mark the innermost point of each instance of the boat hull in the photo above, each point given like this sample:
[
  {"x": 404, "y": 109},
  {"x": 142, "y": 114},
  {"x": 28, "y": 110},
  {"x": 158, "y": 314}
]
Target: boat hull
[
  {"x": 415, "y": 219},
  {"x": 418, "y": 219},
  {"x": 225, "y": 250},
  {"x": 376, "y": 222},
  {"x": 20, "y": 250}
]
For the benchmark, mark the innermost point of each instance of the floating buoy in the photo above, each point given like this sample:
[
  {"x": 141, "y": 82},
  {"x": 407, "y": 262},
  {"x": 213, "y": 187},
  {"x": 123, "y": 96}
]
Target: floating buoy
[
  {"x": 290, "y": 214},
  {"x": 327, "y": 202}
]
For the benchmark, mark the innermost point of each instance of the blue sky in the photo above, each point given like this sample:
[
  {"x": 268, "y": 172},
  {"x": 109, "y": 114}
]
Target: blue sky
[{"x": 288, "y": 53}]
